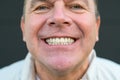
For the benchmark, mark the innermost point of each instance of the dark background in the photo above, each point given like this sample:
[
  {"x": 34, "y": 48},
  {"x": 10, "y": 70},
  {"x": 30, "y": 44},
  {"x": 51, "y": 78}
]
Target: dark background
[{"x": 12, "y": 48}]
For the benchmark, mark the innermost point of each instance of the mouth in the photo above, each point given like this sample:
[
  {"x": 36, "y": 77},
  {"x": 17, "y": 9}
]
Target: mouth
[{"x": 55, "y": 41}]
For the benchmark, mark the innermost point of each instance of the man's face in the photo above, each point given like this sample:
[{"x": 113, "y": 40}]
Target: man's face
[{"x": 60, "y": 34}]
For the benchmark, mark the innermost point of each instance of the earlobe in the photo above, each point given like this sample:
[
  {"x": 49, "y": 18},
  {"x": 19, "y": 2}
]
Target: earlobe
[
  {"x": 97, "y": 39},
  {"x": 22, "y": 27}
]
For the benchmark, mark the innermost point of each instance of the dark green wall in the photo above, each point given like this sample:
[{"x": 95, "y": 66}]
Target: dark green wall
[{"x": 13, "y": 49}]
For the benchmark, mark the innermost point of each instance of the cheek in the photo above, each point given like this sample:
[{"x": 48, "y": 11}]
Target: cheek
[
  {"x": 86, "y": 23},
  {"x": 33, "y": 25}
]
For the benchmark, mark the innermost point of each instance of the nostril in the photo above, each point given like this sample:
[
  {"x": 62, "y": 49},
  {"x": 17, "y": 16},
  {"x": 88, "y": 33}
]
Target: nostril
[
  {"x": 66, "y": 22},
  {"x": 52, "y": 23}
]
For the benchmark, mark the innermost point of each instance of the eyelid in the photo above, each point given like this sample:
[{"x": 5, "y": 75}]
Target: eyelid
[
  {"x": 42, "y": 6},
  {"x": 75, "y": 6}
]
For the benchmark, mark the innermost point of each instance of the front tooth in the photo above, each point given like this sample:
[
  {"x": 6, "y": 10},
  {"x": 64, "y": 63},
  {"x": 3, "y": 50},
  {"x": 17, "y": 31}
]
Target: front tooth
[
  {"x": 54, "y": 40},
  {"x": 57, "y": 40},
  {"x": 66, "y": 40},
  {"x": 62, "y": 40}
]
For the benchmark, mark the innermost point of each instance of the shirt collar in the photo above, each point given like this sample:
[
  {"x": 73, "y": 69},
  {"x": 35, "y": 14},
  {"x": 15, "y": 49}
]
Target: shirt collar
[
  {"x": 28, "y": 72},
  {"x": 91, "y": 72}
]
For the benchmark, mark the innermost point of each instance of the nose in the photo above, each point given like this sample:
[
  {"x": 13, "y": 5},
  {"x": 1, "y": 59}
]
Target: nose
[{"x": 59, "y": 18}]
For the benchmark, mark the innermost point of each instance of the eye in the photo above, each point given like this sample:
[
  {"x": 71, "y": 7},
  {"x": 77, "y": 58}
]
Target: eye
[
  {"x": 42, "y": 9},
  {"x": 75, "y": 6}
]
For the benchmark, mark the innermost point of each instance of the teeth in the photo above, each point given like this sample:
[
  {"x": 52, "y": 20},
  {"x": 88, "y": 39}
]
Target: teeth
[{"x": 60, "y": 41}]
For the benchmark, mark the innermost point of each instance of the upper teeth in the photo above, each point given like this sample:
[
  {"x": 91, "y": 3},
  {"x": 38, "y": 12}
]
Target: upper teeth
[{"x": 60, "y": 41}]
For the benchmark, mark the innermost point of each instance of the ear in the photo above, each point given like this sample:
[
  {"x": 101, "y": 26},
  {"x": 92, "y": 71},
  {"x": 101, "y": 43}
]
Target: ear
[
  {"x": 98, "y": 21},
  {"x": 23, "y": 27}
]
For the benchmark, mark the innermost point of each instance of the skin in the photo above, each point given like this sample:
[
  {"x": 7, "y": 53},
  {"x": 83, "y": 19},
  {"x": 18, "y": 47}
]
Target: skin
[{"x": 60, "y": 18}]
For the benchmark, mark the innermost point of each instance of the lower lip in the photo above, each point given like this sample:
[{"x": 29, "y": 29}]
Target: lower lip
[{"x": 70, "y": 46}]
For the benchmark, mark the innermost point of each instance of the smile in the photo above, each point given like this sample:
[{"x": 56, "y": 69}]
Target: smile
[{"x": 60, "y": 41}]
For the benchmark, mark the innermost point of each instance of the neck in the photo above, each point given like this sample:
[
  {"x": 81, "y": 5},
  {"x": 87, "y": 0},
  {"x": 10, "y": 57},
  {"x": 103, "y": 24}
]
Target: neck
[{"x": 73, "y": 74}]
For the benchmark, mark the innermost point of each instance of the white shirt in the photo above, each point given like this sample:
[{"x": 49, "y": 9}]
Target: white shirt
[{"x": 99, "y": 69}]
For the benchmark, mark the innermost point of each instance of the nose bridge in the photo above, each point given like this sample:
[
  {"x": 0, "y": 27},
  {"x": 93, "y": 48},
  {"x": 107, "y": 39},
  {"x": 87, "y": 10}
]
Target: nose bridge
[{"x": 59, "y": 13}]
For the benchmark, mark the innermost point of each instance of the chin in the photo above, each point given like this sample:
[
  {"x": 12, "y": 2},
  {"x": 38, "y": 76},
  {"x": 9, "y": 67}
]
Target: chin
[{"x": 61, "y": 64}]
